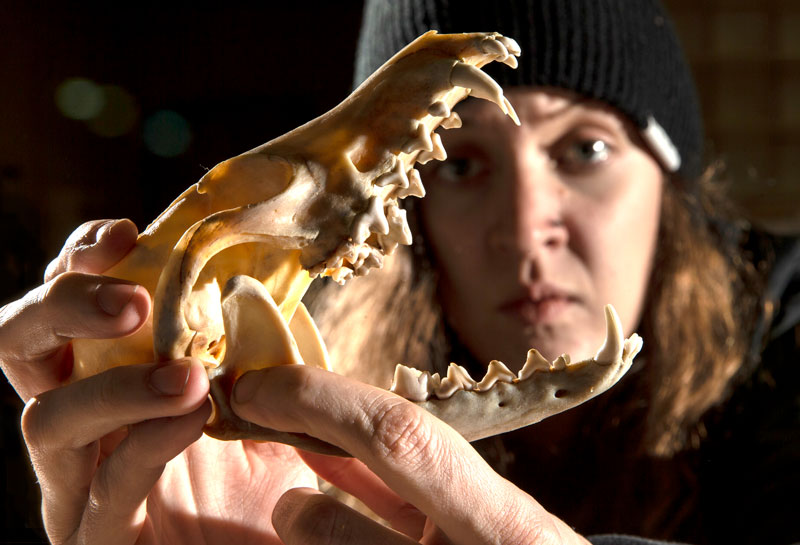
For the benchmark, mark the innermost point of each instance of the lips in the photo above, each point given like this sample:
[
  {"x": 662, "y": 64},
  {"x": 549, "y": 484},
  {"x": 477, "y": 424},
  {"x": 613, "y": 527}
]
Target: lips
[{"x": 541, "y": 303}]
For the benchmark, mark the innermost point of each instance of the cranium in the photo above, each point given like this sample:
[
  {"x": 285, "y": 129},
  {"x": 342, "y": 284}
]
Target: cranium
[{"x": 230, "y": 259}]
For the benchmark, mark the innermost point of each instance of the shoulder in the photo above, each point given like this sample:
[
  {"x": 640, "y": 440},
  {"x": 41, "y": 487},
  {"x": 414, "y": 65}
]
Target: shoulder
[{"x": 751, "y": 456}]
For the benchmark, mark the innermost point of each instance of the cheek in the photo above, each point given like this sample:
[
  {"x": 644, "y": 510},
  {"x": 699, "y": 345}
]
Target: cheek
[{"x": 619, "y": 241}]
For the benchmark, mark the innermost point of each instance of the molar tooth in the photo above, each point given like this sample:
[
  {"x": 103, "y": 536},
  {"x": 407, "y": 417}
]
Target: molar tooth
[
  {"x": 398, "y": 225},
  {"x": 396, "y": 176},
  {"x": 420, "y": 141},
  {"x": 411, "y": 384},
  {"x": 437, "y": 153},
  {"x": 497, "y": 372},
  {"x": 510, "y": 109},
  {"x": 480, "y": 84},
  {"x": 561, "y": 362},
  {"x": 453, "y": 121},
  {"x": 611, "y": 351},
  {"x": 415, "y": 187},
  {"x": 373, "y": 220},
  {"x": 439, "y": 109},
  {"x": 535, "y": 362},
  {"x": 457, "y": 379}
]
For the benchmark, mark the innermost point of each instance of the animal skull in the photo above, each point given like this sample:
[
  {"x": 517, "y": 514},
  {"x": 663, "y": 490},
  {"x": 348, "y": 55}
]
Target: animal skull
[{"x": 230, "y": 259}]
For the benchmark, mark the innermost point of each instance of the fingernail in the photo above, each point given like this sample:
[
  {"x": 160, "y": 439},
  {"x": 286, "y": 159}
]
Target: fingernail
[
  {"x": 106, "y": 228},
  {"x": 112, "y": 298},
  {"x": 246, "y": 387},
  {"x": 171, "y": 380}
]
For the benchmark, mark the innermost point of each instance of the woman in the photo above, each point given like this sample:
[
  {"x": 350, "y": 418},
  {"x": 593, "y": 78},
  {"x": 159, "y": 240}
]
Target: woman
[{"x": 526, "y": 235}]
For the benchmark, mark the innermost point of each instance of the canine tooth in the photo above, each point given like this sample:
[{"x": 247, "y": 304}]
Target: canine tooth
[
  {"x": 437, "y": 153},
  {"x": 457, "y": 379},
  {"x": 415, "y": 187},
  {"x": 421, "y": 141},
  {"x": 439, "y": 109},
  {"x": 511, "y": 61},
  {"x": 561, "y": 362},
  {"x": 497, "y": 372},
  {"x": 480, "y": 84},
  {"x": 411, "y": 384},
  {"x": 611, "y": 351},
  {"x": 510, "y": 109},
  {"x": 535, "y": 362},
  {"x": 452, "y": 122}
]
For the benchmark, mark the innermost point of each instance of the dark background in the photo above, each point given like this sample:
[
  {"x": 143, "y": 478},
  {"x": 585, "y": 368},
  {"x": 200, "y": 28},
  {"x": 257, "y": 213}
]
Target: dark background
[{"x": 232, "y": 76}]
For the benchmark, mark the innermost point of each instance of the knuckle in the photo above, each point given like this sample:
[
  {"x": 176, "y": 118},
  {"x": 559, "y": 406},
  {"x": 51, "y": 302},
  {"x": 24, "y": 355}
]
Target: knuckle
[
  {"x": 400, "y": 432},
  {"x": 32, "y": 425}
]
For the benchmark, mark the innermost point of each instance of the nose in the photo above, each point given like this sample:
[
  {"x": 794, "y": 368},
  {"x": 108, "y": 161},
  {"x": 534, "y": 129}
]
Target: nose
[{"x": 529, "y": 220}]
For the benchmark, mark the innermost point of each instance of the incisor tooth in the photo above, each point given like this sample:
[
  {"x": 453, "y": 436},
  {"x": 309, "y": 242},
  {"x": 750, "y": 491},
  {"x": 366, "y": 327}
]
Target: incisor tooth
[
  {"x": 511, "y": 44},
  {"x": 497, "y": 372},
  {"x": 491, "y": 46},
  {"x": 611, "y": 351},
  {"x": 535, "y": 362}
]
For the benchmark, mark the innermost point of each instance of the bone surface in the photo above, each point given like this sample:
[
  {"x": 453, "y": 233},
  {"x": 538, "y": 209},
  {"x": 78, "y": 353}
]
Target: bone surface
[{"x": 229, "y": 261}]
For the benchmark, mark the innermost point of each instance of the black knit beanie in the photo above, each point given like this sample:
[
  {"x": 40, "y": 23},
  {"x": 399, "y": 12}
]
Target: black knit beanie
[{"x": 622, "y": 52}]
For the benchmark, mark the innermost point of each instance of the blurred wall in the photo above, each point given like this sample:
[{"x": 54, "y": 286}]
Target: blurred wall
[{"x": 746, "y": 57}]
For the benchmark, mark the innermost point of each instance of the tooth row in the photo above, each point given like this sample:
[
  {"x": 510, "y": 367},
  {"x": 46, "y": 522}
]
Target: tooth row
[
  {"x": 419, "y": 385},
  {"x": 481, "y": 85}
]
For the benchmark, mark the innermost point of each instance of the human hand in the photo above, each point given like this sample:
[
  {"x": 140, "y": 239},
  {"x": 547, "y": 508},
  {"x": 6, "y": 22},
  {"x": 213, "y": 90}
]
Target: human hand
[
  {"x": 117, "y": 455},
  {"x": 411, "y": 469}
]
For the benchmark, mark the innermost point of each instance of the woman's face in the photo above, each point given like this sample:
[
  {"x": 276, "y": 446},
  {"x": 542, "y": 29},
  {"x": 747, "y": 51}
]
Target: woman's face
[{"x": 536, "y": 228}]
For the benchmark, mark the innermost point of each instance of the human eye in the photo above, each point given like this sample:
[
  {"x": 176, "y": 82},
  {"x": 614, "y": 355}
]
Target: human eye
[
  {"x": 462, "y": 167},
  {"x": 583, "y": 153}
]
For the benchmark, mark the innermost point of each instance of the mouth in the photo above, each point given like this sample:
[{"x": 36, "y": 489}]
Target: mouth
[{"x": 540, "y": 304}]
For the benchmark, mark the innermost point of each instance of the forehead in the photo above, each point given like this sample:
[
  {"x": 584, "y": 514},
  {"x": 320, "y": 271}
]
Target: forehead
[{"x": 537, "y": 105}]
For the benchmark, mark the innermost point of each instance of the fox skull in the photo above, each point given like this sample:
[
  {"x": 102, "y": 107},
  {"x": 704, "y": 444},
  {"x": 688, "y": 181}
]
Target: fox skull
[{"x": 231, "y": 258}]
